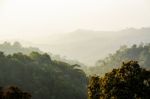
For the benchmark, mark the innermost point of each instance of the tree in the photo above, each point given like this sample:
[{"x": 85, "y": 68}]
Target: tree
[
  {"x": 13, "y": 92},
  {"x": 17, "y": 45},
  {"x": 128, "y": 82},
  {"x": 141, "y": 53},
  {"x": 43, "y": 77}
]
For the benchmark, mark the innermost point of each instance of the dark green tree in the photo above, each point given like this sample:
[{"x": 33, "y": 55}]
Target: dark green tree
[
  {"x": 43, "y": 77},
  {"x": 13, "y": 92}
]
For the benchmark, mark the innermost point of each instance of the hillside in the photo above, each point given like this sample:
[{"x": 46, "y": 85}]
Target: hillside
[
  {"x": 16, "y": 47},
  {"x": 42, "y": 77},
  {"x": 140, "y": 53},
  {"x": 88, "y": 46}
]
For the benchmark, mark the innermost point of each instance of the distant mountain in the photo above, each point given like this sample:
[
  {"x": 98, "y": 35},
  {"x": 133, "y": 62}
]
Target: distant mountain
[{"x": 88, "y": 46}]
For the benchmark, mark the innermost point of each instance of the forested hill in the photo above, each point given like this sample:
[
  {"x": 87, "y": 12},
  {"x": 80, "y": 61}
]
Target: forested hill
[
  {"x": 42, "y": 77},
  {"x": 88, "y": 45},
  {"x": 16, "y": 47},
  {"x": 141, "y": 53}
]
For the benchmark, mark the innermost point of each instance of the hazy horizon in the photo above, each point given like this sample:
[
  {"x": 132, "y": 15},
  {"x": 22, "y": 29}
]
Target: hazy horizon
[
  {"x": 24, "y": 19},
  {"x": 88, "y": 46},
  {"x": 74, "y": 49},
  {"x": 51, "y": 24}
]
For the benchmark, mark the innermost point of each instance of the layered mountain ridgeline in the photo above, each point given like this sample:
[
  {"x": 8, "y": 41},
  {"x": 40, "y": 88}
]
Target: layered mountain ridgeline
[
  {"x": 127, "y": 82},
  {"x": 141, "y": 53},
  {"x": 88, "y": 45},
  {"x": 42, "y": 77},
  {"x": 16, "y": 47},
  {"x": 13, "y": 92}
]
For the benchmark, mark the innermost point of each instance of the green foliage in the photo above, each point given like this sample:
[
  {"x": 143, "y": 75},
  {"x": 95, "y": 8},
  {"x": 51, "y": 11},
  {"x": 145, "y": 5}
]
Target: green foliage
[
  {"x": 128, "y": 82},
  {"x": 16, "y": 47},
  {"x": 42, "y": 77},
  {"x": 141, "y": 53}
]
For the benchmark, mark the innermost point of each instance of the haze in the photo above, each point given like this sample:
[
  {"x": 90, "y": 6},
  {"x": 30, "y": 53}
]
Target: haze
[{"x": 43, "y": 22}]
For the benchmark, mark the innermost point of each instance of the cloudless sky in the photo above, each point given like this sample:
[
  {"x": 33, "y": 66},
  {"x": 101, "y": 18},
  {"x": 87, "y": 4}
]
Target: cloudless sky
[{"x": 28, "y": 19}]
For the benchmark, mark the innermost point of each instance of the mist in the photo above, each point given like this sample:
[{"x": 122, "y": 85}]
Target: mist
[
  {"x": 74, "y": 49},
  {"x": 69, "y": 27}
]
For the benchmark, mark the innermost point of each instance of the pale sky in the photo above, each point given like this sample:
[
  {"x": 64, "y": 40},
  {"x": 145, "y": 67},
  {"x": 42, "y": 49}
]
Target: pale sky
[{"x": 33, "y": 19}]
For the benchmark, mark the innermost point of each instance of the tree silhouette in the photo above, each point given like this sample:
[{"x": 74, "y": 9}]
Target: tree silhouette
[{"x": 13, "y": 92}]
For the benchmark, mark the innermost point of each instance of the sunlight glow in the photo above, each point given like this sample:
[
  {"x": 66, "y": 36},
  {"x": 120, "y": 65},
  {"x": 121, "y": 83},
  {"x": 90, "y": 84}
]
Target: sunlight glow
[{"x": 25, "y": 18}]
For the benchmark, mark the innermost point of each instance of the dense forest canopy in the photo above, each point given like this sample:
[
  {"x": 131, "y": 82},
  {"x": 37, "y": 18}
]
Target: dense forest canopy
[
  {"x": 130, "y": 81},
  {"x": 16, "y": 47},
  {"x": 140, "y": 52},
  {"x": 49, "y": 76},
  {"x": 51, "y": 48},
  {"x": 42, "y": 77}
]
